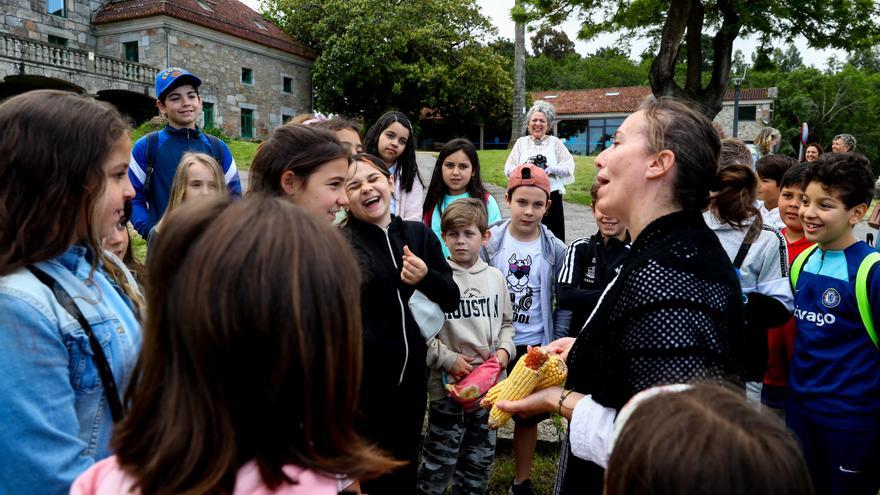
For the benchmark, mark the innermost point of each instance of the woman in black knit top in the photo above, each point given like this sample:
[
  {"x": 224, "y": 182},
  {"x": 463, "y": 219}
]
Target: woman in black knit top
[{"x": 672, "y": 313}]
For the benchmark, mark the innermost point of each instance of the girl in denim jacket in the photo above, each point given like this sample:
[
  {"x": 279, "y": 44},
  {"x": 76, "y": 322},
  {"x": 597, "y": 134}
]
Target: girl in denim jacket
[{"x": 63, "y": 184}]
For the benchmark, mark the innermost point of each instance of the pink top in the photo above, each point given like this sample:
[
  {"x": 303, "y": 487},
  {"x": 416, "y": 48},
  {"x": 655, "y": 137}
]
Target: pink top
[{"x": 106, "y": 478}]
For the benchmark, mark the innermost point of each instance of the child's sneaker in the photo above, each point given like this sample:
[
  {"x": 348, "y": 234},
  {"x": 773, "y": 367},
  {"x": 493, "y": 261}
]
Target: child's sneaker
[{"x": 524, "y": 488}]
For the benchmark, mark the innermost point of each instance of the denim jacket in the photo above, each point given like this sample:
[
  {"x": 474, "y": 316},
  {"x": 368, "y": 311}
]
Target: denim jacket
[{"x": 55, "y": 421}]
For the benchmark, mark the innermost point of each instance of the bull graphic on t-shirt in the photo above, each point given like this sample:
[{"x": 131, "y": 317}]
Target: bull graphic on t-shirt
[{"x": 518, "y": 282}]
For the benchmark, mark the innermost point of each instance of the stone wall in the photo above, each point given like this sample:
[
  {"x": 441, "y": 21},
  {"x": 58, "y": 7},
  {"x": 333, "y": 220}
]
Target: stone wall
[
  {"x": 218, "y": 60},
  {"x": 29, "y": 19},
  {"x": 748, "y": 129}
]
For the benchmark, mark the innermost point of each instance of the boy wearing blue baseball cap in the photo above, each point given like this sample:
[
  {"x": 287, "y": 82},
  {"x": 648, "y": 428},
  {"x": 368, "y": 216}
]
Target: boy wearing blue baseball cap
[{"x": 154, "y": 157}]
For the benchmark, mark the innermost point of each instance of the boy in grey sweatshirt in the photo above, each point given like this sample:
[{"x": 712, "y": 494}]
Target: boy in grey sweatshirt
[{"x": 459, "y": 446}]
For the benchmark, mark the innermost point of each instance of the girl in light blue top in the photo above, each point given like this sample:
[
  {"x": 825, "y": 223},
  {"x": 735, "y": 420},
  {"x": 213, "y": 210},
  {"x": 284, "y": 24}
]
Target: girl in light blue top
[
  {"x": 456, "y": 176},
  {"x": 63, "y": 185}
]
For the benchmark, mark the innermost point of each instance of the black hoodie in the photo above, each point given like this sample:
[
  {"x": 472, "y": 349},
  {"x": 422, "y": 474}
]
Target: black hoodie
[{"x": 394, "y": 380}]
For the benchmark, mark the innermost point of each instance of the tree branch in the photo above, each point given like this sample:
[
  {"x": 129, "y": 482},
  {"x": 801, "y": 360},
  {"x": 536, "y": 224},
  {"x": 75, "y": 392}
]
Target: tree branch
[
  {"x": 693, "y": 83},
  {"x": 662, "y": 73},
  {"x": 712, "y": 98}
]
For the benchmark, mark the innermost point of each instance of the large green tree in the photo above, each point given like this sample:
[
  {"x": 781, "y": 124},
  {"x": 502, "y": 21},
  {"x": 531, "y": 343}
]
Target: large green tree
[
  {"x": 831, "y": 103},
  {"x": 674, "y": 23},
  {"x": 602, "y": 70},
  {"x": 374, "y": 55},
  {"x": 552, "y": 43}
]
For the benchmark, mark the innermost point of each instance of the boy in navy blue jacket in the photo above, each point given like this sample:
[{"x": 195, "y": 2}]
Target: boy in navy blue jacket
[
  {"x": 591, "y": 263},
  {"x": 834, "y": 388},
  {"x": 154, "y": 157}
]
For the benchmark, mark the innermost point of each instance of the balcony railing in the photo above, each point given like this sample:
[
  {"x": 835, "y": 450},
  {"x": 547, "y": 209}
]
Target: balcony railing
[{"x": 67, "y": 58}]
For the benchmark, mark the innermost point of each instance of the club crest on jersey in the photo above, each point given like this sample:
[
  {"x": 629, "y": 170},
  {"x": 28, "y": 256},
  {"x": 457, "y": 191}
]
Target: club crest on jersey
[{"x": 831, "y": 298}]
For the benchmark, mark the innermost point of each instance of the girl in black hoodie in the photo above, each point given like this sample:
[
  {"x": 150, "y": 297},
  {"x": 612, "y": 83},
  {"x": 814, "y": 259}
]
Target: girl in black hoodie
[{"x": 396, "y": 257}]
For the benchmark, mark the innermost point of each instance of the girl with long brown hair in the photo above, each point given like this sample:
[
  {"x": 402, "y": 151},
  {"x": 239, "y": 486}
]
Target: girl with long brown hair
[
  {"x": 249, "y": 377},
  {"x": 68, "y": 335}
]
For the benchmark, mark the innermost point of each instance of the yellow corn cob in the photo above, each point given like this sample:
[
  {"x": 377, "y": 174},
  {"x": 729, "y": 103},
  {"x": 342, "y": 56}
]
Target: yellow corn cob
[
  {"x": 553, "y": 373},
  {"x": 492, "y": 395},
  {"x": 520, "y": 383}
]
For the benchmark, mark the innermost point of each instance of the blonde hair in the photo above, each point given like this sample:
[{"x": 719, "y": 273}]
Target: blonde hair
[
  {"x": 181, "y": 177},
  {"x": 765, "y": 139}
]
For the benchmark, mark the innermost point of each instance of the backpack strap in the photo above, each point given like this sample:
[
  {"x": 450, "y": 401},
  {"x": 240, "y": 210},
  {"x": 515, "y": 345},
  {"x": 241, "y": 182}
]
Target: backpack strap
[
  {"x": 865, "y": 268},
  {"x": 152, "y": 152},
  {"x": 427, "y": 217},
  {"x": 216, "y": 148},
  {"x": 744, "y": 247},
  {"x": 104, "y": 370},
  {"x": 798, "y": 265}
]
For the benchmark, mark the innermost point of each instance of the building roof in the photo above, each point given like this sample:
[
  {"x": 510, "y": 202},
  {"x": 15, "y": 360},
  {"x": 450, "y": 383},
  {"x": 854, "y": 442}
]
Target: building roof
[
  {"x": 227, "y": 16},
  {"x": 619, "y": 100}
]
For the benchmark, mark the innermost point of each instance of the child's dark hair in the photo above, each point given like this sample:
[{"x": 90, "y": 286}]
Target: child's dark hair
[
  {"x": 847, "y": 175},
  {"x": 298, "y": 148},
  {"x": 704, "y": 441},
  {"x": 734, "y": 204},
  {"x": 773, "y": 167},
  {"x": 247, "y": 354},
  {"x": 52, "y": 154},
  {"x": 794, "y": 177},
  {"x": 594, "y": 192},
  {"x": 406, "y": 162},
  {"x": 437, "y": 189},
  {"x": 465, "y": 212}
]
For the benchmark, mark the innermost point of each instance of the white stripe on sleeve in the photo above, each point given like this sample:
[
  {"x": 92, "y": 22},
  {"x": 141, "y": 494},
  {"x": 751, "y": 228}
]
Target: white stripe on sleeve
[
  {"x": 230, "y": 174},
  {"x": 135, "y": 167}
]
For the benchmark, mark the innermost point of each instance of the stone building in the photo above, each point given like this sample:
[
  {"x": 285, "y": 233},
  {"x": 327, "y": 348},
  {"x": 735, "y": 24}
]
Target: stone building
[
  {"x": 254, "y": 76},
  {"x": 587, "y": 119}
]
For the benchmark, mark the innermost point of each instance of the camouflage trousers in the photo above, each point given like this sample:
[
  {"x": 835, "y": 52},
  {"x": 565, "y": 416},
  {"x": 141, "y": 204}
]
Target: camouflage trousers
[{"x": 459, "y": 448}]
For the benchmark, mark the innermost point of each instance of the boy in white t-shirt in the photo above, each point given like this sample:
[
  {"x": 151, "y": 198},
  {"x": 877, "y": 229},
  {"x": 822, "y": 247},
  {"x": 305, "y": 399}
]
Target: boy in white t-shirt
[{"x": 530, "y": 258}]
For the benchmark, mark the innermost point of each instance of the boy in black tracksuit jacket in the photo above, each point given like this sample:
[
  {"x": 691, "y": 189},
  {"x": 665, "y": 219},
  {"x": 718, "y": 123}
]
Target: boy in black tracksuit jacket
[
  {"x": 394, "y": 379},
  {"x": 590, "y": 264}
]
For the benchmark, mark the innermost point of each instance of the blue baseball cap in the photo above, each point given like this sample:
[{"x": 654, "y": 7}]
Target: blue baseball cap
[{"x": 173, "y": 77}]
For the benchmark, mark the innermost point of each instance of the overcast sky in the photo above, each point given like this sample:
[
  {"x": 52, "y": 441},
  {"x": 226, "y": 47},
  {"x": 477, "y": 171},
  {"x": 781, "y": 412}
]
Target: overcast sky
[{"x": 498, "y": 11}]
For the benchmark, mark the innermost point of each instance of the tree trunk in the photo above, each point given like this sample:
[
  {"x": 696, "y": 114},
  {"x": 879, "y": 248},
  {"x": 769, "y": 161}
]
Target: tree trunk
[
  {"x": 687, "y": 16},
  {"x": 519, "y": 80}
]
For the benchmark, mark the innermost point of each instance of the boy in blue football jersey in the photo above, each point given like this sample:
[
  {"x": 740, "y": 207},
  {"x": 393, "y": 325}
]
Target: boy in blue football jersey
[{"x": 834, "y": 389}]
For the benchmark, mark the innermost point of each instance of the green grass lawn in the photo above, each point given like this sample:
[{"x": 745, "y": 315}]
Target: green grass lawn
[
  {"x": 492, "y": 170},
  {"x": 243, "y": 152}
]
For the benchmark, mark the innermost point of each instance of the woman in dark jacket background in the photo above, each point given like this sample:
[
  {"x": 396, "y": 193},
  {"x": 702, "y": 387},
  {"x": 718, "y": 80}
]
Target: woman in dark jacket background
[{"x": 396, "y": 257}]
